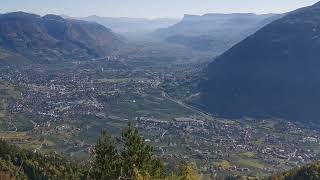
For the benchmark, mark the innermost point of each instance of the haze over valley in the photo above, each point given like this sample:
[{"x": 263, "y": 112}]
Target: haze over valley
[{"x": 212, "y": 96}]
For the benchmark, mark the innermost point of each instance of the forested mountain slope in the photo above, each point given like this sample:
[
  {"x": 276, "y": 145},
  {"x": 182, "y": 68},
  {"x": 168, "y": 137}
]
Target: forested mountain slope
[
  {"x": 34, "y": 39},
  {"x": 274, "y": 72}
]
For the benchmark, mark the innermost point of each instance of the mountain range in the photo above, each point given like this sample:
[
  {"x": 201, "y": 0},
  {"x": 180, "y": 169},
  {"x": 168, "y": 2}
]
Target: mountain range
[
  {"x": 272, "y": 73},
  {"x": 214, "y": 32},
  {"x": 50, "y": 38},
  {"x": 126, "y": 25}
]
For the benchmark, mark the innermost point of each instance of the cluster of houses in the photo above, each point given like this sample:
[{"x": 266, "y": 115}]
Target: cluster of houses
[{"x": 195, "y": 138}]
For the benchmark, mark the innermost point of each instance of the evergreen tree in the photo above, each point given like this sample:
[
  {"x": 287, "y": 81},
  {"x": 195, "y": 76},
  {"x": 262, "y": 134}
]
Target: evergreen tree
[
  {"x": 106, "y": 159},
  {"x": 138, "y": 155}
]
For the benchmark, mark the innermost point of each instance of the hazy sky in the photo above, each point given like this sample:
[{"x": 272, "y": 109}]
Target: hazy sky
[{"x": 150, "y": 8}]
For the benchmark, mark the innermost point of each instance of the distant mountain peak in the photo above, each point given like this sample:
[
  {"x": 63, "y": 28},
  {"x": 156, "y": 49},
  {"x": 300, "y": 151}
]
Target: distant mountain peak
[
  {"x": 216, "y": 32},
  {"x": 126, "y": 25},
  {"x": 53, "y": 17},
  {"x": 20, "y": 14},
  {"x": 215, "y": 15}
]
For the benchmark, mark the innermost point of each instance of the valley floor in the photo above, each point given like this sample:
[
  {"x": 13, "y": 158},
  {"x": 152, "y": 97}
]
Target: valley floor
[{"x": 64, "y": 111}]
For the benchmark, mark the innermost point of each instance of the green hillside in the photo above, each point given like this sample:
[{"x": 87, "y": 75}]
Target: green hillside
[{"x": 308, "y": 172}]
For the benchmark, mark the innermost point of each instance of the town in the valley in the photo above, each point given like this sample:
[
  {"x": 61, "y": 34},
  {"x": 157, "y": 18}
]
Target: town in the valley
[{"x": 64, "y": 111}]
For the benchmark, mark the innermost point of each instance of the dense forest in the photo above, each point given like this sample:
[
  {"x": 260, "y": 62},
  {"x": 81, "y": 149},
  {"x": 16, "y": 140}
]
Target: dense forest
[
  {"x": 17, "y": 163},
  {"x": 308, "y": 172},
  {"x": 128, "y": 157}
]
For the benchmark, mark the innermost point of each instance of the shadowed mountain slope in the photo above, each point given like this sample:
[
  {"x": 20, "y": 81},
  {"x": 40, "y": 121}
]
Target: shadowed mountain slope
[{"x": 274, "y": 72}]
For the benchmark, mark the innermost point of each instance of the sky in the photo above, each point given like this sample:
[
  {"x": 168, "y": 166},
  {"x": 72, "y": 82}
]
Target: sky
[{"x": 150, "y": 8}]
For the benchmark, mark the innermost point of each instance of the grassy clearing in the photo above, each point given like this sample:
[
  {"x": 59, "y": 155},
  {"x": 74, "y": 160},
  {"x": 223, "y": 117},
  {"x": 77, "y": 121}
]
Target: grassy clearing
[
  {"x": 247, "y": 155},
  {"x": 251, "y": 163},
  {"x": 2, "y": 115},
  {"x": 23, "y": 123},
  {"x": 15, "y": 136},
  {"x": 8, "y": 90},
  {"x": 133, "y": 105},
  {"x": 34, "y": 144},
  {"x": 223, "y": 164}
]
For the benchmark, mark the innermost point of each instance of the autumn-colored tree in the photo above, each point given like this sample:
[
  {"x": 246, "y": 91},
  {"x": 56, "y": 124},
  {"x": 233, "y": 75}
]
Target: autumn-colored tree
[{"x": 189, "y": 173}]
